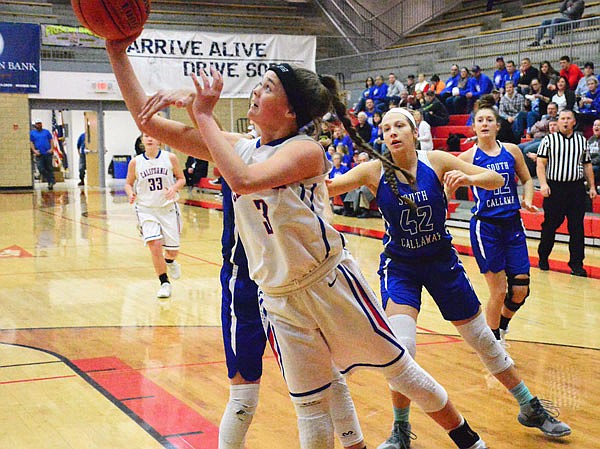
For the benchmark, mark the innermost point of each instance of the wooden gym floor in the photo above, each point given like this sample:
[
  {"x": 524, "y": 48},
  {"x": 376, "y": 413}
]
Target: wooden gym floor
[{"x": 89, "y": 358}]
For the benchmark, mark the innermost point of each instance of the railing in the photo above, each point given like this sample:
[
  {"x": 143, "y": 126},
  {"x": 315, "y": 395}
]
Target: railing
[
  {"x": 382, "y": 27},
  {"x": 405, "y": 16},
  {"x": 580, "y": 41}
]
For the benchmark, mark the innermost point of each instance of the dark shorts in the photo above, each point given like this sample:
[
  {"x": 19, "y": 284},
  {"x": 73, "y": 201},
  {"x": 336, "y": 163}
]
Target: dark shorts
[
  {"x": 243, "y": 333},
  {"x": 443, "y": 276},
  {"x": 500, "y": 246}
]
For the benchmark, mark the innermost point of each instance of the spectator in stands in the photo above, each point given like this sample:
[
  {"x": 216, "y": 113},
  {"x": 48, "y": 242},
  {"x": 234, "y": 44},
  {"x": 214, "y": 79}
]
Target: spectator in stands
[
  {"x": 340, "y": 136},
  {"x": 436, "y": 84},
  {"x": 571, "y": 72},
  {"x": 511, "y": 74},
  {"x": 394, "y": 88},
  {"x": 500, "y": 73},
  {"x": 588, "y": 70},
  {"x": 548, "y": 76},
  {"x": 346, "y": 157},
  {"x": 363, "y": 128},
  {"x": 594, "y": 146},
  {"x": 330, "y": 152},
  {"x": 513, "y": 111},
  {"x": 425, "y": 139},
  {"x": 450, "y": 83},
  {"x": 379, "y": 94},
  {"x": 376, "y": 139},
  {"x": 338, "y": 167},
  {"x": 457, "y": 102},
  {"x": 562, "y": 165},
  {"x": 564, "y": 96},
  {"x": 537, "y": 132},
  {"x": 326, "y": 135},
  {"x": 481, "y": 84},
  {"x": 538, "y": 99},
  {"x": 370, "y": 109},
  {"x": 403, "y": 103},
  {"x": 422, "y": 83},
  {"x": 419, "y": 100},
  {"x": 410, "y": 84},
  {"x": 497, "y": 97},
  {"x": 527, "y": 73},
  {"x": 434, "y": 111},
  {"x": 357, "y": 202},
  {"x": 366, "y": 93},
  {"x": 569, "y": 10},
  {"x": 589, "y": 105}
]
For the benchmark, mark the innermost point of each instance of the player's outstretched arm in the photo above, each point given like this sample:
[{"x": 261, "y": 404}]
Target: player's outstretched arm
[{"x": 177, "y": 135}]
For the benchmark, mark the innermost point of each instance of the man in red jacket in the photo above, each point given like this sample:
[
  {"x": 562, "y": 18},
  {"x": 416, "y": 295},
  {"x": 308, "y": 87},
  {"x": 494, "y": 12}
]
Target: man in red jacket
[{"x": 570, "y": 71}]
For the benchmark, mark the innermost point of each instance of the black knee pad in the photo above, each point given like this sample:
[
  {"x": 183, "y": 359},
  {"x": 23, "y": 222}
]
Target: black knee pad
[{"x": 508, "y": 302}]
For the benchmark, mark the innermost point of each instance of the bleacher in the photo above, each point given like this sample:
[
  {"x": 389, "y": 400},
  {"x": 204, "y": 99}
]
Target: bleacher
[
  {"x": 27, "y": 12},
  {"x": 469, "y": 35}
]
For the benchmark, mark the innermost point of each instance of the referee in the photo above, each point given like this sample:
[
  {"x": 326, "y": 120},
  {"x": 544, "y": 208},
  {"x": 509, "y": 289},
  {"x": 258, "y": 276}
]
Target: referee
[{"x": 563, "y": 159}]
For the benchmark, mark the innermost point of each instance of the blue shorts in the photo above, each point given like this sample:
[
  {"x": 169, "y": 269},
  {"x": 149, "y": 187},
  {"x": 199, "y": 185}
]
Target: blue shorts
[
  {"x": 443, "y": 276},
  {"x": 243, "y": 333},
  {"x": 500, "y": 246}
]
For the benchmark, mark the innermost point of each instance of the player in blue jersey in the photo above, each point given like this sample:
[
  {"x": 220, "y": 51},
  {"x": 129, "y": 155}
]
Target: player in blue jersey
[
  {"x": 497, "y": 234},
  {"x": 418, "y": 253}
]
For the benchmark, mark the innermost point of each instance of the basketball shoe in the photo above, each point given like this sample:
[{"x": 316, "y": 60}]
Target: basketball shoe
[
  {"x": 174, "y": 270},
  {"x": 164, "y": 291},
  {"x": 542, "y": 414},
  {"x": 400, "y": 437}
]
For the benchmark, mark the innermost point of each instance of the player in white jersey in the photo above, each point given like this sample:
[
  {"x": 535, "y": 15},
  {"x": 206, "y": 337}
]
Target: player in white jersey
[
  {"x": 317, "y": 305},
  {"x": 153, "y": 180}
]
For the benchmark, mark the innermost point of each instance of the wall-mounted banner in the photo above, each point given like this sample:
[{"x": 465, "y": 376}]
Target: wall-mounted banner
[
  {"x": 70, "y": 36},
  {"x": 165, "y": 59},
  {"x": 19, "y": 58}
]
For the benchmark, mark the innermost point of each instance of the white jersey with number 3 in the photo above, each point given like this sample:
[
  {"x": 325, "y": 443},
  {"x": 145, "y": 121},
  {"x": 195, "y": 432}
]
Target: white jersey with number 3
[
  {"x": 286, "y": 238},
  {"x": 153, "y": 178}
]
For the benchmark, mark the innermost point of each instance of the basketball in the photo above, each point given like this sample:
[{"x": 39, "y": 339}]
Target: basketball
[{"x": 112, "y": 19}]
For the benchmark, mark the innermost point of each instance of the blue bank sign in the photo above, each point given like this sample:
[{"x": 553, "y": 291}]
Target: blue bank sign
[{"x": 19, "y": 58}]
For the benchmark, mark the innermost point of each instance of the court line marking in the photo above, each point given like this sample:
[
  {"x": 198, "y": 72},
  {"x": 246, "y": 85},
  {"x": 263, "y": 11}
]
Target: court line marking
[{"x": 104, "y": 392}]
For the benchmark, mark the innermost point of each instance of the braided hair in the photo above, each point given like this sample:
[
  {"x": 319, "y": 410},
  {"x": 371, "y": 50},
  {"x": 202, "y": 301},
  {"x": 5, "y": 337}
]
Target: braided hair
[{"x": 388, "y": 165}]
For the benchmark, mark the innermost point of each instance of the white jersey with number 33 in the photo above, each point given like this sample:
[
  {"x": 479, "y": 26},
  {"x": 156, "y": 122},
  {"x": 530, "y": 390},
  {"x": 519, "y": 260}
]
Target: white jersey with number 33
[
  {"x": 283, "y": 230},
  {"x": 154, "y": 177}
]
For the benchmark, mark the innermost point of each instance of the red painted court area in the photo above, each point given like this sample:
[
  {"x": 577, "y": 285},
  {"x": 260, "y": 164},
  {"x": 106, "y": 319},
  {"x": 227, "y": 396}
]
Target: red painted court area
[{"x": 162, "y": 414}]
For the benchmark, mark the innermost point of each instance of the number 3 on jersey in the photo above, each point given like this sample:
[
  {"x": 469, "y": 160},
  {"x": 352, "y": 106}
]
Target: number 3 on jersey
[{"x": 264, "y": 208}]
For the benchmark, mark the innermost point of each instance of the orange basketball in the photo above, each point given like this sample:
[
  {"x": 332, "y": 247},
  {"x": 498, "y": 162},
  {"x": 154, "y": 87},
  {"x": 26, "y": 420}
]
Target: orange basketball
[{"x": 112, "y": 19}]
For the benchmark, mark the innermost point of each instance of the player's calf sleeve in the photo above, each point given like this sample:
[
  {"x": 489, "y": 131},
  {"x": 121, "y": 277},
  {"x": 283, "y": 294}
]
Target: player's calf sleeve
[
  {"x": 405, "y": 330},
  {"x": 315, "y": 427},
  {"x": 343, "y": 414},
  {"x": 417, "y": 384},
  {"x": 238, "y": 415},
  {"x": 481, "y": 338}
]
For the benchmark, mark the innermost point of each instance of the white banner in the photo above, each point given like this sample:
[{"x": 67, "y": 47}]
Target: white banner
[{"x": 165, "y": 59}]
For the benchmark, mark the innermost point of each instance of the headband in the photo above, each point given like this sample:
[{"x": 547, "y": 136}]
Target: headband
[
  {"x": 290, "y": 84},
  {"x": 406, "y": 113}
]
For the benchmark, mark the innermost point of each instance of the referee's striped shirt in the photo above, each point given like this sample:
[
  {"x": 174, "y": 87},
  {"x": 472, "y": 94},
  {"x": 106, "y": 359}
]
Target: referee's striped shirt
[{"x": 566, "y": 156}]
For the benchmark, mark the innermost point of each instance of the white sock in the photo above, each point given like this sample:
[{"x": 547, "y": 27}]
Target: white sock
[{"x": 238, "y": 415}]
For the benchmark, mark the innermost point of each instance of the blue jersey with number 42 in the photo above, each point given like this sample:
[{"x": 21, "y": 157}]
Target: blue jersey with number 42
[{"x": 415, "y": 233}]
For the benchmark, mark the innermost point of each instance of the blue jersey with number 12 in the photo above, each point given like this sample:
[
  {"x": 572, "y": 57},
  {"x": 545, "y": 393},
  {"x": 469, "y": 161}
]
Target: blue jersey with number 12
[
  {"x": 502, "y": 202},
  {"x": 410, "y": 233}
]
